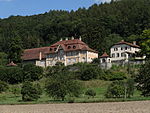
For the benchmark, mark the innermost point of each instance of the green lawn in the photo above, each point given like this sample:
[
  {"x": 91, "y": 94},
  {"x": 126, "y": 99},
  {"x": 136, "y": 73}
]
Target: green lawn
[{"x": 99, "y": 86}]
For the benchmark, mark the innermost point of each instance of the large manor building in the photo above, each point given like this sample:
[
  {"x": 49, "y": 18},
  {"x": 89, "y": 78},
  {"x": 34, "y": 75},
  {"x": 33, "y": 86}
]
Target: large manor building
[{"x": 66, "y": 51}]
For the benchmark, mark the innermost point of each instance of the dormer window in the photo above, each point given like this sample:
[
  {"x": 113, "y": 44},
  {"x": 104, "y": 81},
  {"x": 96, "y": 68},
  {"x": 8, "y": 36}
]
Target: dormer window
[
  {"x": 74, "y": 47},
  {"x": 69, "y": 47},
  {"x": 51, "y": 49},
  {"x": 55, "y": 49}
]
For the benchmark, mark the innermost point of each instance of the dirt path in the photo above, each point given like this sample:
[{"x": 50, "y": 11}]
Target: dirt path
[{"x": 114, "y": 107}]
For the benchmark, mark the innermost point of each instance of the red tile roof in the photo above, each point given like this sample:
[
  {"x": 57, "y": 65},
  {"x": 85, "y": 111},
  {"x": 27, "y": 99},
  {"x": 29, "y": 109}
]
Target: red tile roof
[
  {"x": 71, "y": 45},
  {"x": 67, "y": 45},
  {"x": 104, "y": 55},
  {"x": 34, "y": 54},
  {"x": 11, "y": 64},
  {"x": 127, "y": 43}
]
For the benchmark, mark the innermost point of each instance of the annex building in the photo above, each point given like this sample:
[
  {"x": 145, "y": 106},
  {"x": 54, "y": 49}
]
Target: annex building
[
  {"x": 66, "y": 51},
  {"x": 121, "y": 53}
]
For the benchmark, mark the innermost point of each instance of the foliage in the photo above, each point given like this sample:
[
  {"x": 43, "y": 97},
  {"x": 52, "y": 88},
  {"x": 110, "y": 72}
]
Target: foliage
[
  {"x": 119, "y": 89},
  {"x": 15, "y": 89},
  {"x": 3, "y": 58},
  {"x": 12, "y": 75},
  {"x": 62, "y": 84},
  {"x": 32, "y": 72},
  {"x": 96, "y": 61},
  {"x": 115, "y": 89},
  {"x": 99, "y": 26},
  {"x": 145, "y": 42},
  {"x": 87, "y": 71},
  {"x": 3, "y": 86},
  {"x": 15, "y": 49},
  {"x": 30, "y": 92},
  {"x": 143, "y": 79},
  {"x": 90, "y": 92}
]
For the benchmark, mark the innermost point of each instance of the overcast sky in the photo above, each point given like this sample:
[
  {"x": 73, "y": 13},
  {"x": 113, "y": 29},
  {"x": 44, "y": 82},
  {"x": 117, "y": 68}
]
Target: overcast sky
[{"x": 31, "y": 7}]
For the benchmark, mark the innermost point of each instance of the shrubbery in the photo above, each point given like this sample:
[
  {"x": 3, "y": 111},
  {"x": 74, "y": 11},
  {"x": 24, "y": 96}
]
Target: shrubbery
[
  {"x": 119, "y": 89},
  {"x": 90, "y": 93},
  {"x": 3, "y": 86},
  {"x": 30, "y": 92},
  {"x": 32, "y": 72},
  {"x": 62, "y": 84}
]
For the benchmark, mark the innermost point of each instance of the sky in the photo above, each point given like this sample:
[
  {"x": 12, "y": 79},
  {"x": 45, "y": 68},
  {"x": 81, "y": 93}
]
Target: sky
[{"x": 31, "y": 7}]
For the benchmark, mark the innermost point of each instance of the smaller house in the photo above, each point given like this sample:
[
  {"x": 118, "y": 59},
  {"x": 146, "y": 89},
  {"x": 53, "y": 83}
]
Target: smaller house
[
  {"x": 105, "y": 61},
  {"x": 124, "y": 51}
]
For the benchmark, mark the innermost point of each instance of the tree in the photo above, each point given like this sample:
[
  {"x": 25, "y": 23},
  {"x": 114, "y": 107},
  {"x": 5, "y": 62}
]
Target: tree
[
  {"x": 32, "y": 72},
  {"x": 143, "y": 79},
  {"x": 30, "y": 92},
  {"x": 11, "y": 75},
  {"x": 145, "y": 43},
  {"x": 115, "y": 90},
  {"x": 120, "y": 89},
  {"x": 88, "y": 72},
  {"x": 3, "y": 86},
  {"x": 3, "y": 58},
  {"x": 15, "y": 50},
  {"x": 62, "y": 84}
]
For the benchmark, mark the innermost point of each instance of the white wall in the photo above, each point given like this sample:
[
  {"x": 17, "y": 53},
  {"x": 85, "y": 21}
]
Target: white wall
[{"x": 120, "y": 50}]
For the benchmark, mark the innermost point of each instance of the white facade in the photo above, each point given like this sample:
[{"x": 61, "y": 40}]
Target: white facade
[{"x": 121, "y": 52}]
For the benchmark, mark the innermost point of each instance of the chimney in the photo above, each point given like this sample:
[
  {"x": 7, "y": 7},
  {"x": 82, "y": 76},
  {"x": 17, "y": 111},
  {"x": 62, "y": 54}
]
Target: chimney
[
  {"x": 134, "y": 42},
  {"x": 40, "y": 56},
  {"x": 80, "y": 38},
  {"x": 72, "y": 38},
  {"x": 66, "y": 38}
]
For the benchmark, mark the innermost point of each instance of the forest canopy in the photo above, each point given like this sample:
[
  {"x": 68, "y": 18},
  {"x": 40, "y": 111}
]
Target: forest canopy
[{"x": 100, "y": 25}]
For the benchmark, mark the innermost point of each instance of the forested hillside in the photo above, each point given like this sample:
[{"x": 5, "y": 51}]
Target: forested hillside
[{"x": 100, "y": 25}]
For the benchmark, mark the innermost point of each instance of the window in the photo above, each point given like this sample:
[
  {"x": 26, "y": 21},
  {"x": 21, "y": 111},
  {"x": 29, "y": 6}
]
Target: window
[
  {"x": 55, "y": 49},
  {"x": 74, "y": 47},
  {"x": 69, "y": 60},
  {"x": 51, "y": 49},
  {"x": 68, "y": 54},
  {"x": 118, "y": 55},
  {"x": 122, "y": 54},
  {"x": 74, "y": 60},
  {"x": 83, "y": 59},
  {"x": 121, "y": 48},
  {"x": 115, "y": 49},
  {"x": 126, "y": 48},
  {"x": 113, "y": 55},
  {"x": 69, "y": 47}
]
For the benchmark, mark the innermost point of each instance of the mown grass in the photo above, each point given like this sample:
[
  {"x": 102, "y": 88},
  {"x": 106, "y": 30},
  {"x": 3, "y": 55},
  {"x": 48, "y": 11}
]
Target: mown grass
[{"x": 99, "y": 86}]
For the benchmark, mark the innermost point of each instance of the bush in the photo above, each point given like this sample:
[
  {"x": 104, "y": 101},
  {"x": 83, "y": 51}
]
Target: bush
[
  {"x": 62, "y": 84},
  {"x": 32, "y": 72},
  {"x": 118, "y": 89},
  {"x": 88, "y": 72},
  {"x": 12, "y": 75},
  {"x": 3, "y": 86},
  {"x": 30, "y": 92},
  {"x": 15, "y": 89},
  {"x": 113, "y": 75},
  {"x": 90, "y": 92},
  {"x": 115, "y": 90}
]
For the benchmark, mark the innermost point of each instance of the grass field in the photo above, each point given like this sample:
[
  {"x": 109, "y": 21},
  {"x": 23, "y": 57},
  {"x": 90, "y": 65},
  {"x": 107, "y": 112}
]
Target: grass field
[{"x": 99, "y": 86}]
